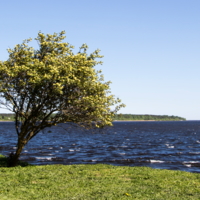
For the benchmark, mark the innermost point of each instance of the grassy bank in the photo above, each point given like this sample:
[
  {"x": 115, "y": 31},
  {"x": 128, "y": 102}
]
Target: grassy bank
[{"x": 100, "y": 181}]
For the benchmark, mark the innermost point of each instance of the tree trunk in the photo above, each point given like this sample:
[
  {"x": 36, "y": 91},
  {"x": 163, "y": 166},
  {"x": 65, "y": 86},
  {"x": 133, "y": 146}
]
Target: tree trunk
[{"x": 14, "y": 158}]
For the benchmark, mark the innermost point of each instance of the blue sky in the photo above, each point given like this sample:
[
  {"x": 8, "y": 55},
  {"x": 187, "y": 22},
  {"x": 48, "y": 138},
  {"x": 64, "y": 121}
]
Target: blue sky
[{"x": 151, "y": 48}]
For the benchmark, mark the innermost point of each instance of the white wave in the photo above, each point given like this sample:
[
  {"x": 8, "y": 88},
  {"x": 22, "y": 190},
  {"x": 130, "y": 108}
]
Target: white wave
[
  {"x": 94, "y": 160},
  {"x": 188, "y": 162},
  {"x": 50, "y": 148},
  {"x": 44, "y": 158},
  {"x": 71, "y": 150},
  {"x": 194, "y": 152},
  {"x": 187, "y": 165},
  {"x": 156, "y": 161},
  {"x": 122, "y": 153},
  {"x": 40, "y": 158},
  {"x": 169, "y": 146}
]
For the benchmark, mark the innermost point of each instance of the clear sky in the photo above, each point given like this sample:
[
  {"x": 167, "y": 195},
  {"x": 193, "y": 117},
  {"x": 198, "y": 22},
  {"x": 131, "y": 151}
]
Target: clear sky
[{"x": 151, "y": 48}]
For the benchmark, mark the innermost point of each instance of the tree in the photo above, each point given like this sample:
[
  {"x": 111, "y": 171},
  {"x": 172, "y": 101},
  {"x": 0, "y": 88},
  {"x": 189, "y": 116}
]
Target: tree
[{"x": 53, "y": 85}]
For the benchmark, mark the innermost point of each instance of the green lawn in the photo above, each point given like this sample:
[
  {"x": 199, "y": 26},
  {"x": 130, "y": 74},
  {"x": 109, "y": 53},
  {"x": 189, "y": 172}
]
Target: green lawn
[{"x": 95, "y": 182}]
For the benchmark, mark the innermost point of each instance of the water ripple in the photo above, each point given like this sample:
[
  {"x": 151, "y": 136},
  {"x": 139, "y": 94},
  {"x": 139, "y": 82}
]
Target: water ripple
[{"x": 164, "y": 145}]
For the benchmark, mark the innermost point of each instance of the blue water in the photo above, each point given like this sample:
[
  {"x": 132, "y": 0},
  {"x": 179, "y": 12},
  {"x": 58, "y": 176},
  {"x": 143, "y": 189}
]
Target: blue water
[{"x": 163, "y": 145}]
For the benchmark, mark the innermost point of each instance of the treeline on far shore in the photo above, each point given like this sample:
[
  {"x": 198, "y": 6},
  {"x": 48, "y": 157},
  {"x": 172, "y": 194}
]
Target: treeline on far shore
[
  {"x": 7, "y": 117},
  {"x": 10, "y": 117},
  {"x": 148, "y": 117}
]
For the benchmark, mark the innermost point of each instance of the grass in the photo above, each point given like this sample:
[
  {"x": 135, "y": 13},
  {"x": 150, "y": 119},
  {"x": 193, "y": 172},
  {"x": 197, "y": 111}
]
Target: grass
[{"x": 99, "y": 182}]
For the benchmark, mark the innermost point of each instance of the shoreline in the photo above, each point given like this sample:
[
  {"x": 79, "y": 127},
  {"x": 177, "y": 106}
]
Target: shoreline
[
  {"x": 152, "y": 120},
  {"x": 134, "y": 120},
  {"x": 129, "y": 120},
  {"x": 6, "y": 121}
]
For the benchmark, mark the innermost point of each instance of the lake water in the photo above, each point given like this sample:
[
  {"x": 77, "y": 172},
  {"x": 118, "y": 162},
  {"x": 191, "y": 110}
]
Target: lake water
[{"x": 163, "y": 145}]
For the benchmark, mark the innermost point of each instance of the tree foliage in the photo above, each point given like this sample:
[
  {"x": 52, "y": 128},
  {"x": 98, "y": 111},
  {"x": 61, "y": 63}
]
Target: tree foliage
[{"x": 53, "y": 85}]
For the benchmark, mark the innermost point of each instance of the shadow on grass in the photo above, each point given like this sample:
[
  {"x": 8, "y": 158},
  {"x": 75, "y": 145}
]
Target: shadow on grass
[{"x": 4, "y": 162}]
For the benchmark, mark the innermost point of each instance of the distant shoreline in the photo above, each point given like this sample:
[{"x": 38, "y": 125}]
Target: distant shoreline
[
  {"x": 129, "y": 120},
  {"x": 152, "y": 120},
  {"x": 134, "y": 120},
  {"x": 118, "y": 117},
  {"x": 6, "y": 120}
]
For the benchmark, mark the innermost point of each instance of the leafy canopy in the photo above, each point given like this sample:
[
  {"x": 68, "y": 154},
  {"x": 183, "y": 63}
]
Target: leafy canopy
[{"x": 53, "y": 85}]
